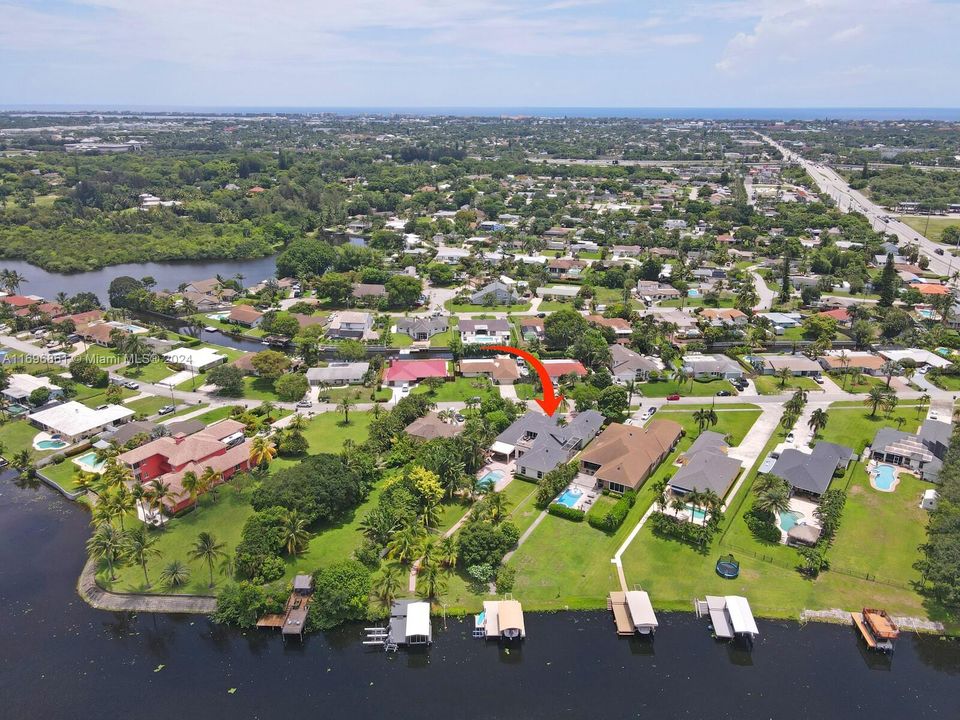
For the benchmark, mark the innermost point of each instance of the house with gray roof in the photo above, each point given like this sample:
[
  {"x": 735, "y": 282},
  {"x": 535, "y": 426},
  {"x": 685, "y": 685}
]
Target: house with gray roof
[
  {"x": 539, "y": 444},
  {"x": 922, "y": 452},
  {"x": 500, "y": 293},
  {"x": 705, "y": 466},
  {"x": 712, "y": 366},
  {"x": 422, "y": 328},
  {"x": 338, "y": 373},
  {"x": 812, "y": 472},
  {"x": 628, "y": 366}
]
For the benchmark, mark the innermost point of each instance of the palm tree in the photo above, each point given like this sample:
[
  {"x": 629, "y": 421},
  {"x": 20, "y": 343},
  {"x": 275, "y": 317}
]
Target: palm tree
[
  {"x": 262, "y": 451},
  {"x": 210, "y": 479},
  {"x": 785, "y": 374},
  {"x": 158, "y": 491},
  {"x": 386, "y": 585},
  {"x": 774, "y": 500},
  {"x": 495, "y": 506},
  {"x": 924, "y": 399},
  {"x": 107, "y": 544},
  {"x": 296, "y": 537},
  {"x": 175, "y": 574},
  {"x": 297, "y": 422},
  {"x": 875, "y": 398},
  {"x": 705, "y": 417},
  {"x": 818, "y": 421},
  {"x": 268, "y": 408},
  {"x": 140, "y": 548},
  {"x": 345, "y": 406},
  {"x": 436, "y": 582},
  {"x": 207, "y": 548},
  {"x": 889, "y": 368},
  {"x": 192, "y": 484},
  {"x": 405, "y": 544},
  {"x": 447, "y": 551}
]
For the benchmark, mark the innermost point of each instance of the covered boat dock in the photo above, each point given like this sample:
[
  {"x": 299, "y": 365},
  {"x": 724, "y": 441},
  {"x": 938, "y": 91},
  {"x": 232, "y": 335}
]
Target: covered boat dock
[
  {"x": 500, "y": 619},
  {"x": 632, "y": 612},
  {"x": 730, "y": 616}
]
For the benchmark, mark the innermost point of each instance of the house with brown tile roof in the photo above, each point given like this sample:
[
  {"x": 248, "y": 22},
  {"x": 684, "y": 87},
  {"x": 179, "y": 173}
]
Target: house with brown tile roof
[
  {"x": 502, "y": 370},
  {"x": 430, "y": 427},
  {"x": 622, "y": 457}
]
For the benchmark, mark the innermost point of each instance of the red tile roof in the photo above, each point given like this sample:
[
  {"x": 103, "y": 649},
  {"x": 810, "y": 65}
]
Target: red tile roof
[{"x": 413, "y": 370}]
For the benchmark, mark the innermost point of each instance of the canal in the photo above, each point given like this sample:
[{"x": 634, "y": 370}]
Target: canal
[{"x": 61, "y": 659}]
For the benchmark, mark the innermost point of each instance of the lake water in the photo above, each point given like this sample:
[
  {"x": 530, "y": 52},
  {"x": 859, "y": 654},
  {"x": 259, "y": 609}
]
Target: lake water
[
  {"x": 60, "y": 658},
  {"x": 168, "y": 275}
]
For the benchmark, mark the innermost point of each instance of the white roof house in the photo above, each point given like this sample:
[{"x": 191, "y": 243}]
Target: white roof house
[
  {"x": 75, "y": 420},
  {"x": 918, "y": 355},
  {"x": 196, "y": 359},
  {"x": 21, "y": 385}
]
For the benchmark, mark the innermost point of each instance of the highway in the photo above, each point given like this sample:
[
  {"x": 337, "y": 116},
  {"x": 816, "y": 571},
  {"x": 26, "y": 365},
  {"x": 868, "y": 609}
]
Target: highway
[{"x": 850, "y": 200}]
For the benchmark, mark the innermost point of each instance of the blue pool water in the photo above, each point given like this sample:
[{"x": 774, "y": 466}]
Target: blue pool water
[
  {"x": 90, "y": 459},
  {"x": 219, "y": 315},
  {"x": 884, "y": 477},
  {"x": 51, "y": 444},
  {"x": 693, "y": 292},
  {"x": 788, "y": 519},
  {"x": 490, "y": 479},
  {"x": 925, "y": 313},
  {"x": 570, "y": 497},
  {"x": 698, "y": 514}
]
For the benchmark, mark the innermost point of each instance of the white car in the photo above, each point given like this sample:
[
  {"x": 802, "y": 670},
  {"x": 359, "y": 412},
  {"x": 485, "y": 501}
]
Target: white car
[
  {"x": 404, "y": 389},
  {"x": 933, "y": 415},
  {"x": 790, "y": 437}
]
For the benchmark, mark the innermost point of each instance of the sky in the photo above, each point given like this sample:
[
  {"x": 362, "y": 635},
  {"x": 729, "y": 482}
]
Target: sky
[{"x": 480, "y": 53}]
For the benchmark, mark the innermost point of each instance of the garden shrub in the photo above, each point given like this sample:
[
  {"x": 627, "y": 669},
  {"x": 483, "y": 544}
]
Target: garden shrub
[
  {"x": 614, "y": 517},
  {"x": 762, "y": 524},
  {"x": 568, "y": 513}
]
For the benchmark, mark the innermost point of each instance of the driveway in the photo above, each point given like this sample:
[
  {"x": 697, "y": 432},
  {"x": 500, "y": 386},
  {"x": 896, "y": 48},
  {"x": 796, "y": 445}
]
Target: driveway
[{"x": 508, "y": 392}]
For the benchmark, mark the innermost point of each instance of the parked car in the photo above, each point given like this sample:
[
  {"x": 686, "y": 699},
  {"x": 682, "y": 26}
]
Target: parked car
[
  {"x": 818, "y": 380},
  {"x": 939, "y": 251},
  {"x": 304, "y": 404},
  {"x": 166, "y": 410},
  {"x": 649, "y": 412},
  {"x": 724, "y": 393},
  {"x": 405, "y": 389},
  {"x": 675, "y": 396},
  {"x": 790, "y": 437},
  {"x": 131, "y": 385}
]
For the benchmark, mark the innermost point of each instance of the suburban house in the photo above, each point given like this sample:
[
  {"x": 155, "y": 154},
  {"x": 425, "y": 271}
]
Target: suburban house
[
  {"x": 623, "y": 456},
  {"x": 368, "y": 292},
  {"x": 20, "y": 386},
  {"x": 921, "y": 452},
  {"x": 651, "y": 290},
  {"x": 703, "y": 367},
  {"x": 409, "y": 371},
  {"x": 422, "y": 328},
  {"x": 561, "y": 292},
  {"x": 245, "y": 315},
  {"x": 451, "y": 255},
  {"x": 705, "y": 466},
  {"x": 430, "y": 427},
  {"x": 539, "y": 444},
  {"x": 349, "y": 324},
  {"x": 195, "y": 359},
  {"x": 781, "y": 321},
  {"x": 223, "y": 448},
  {"x": 502, "y": 370},
  {"x": 565, "y": 269},
  {"x": 620, "y": 327},
  {"x": 338, "y": 373},
  {"x": 918, "y": 356},
  {"x": 622, "y": 251},
  {"x": 495, "y": 331},
  {"x": 556, "y": 369},
  {"x": 845, "y": 361},
  {"x": 531, "y": 328},
  {"x": 798, "y": 365},
  {"x": 724, "y": 317},
  {"x": 628, "y": 366},
  {"x": 73, "y": 421},
  {"x": 841, "y": 315},
  {"x": 210, "y": 286},
  {"x": 497, "y": 293},
  {"x": 811, "y": 472}
]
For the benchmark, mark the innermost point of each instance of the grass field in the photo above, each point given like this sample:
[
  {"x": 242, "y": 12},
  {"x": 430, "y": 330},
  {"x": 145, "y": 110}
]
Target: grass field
[
  {"x": 844, "y": 380},
  {"x": 16, "y": 435},
  {"x": 148, "y": 406},
  {"x": 459, "y": 389},
  {"x": 771, "y": 385},
  {"x": 455, "y": 308},
  {"x": 694, "y": 388},
  {"x": 151, "y": 373},
  {"x": 63, "y": 474},
  {"x": 930, "y": 227}
]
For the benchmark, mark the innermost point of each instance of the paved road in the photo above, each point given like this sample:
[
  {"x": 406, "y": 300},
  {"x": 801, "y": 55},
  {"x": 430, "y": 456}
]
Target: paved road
[
  {"x": 763, "y": 291},
  {"x": 851, "y": 200}
]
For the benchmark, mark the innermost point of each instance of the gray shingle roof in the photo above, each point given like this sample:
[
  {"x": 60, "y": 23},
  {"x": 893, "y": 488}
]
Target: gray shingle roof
[{"x": 811, "y": 472}]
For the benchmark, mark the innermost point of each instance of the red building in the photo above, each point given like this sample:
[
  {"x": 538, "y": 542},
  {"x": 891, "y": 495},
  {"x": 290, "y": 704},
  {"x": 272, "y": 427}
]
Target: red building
[
  {"x": 221, "y": 446},
  {"x": 404, "y": 371}
]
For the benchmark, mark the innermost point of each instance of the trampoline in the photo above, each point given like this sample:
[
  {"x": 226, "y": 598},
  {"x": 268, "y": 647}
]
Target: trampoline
[{"x": 728, "y": 567}]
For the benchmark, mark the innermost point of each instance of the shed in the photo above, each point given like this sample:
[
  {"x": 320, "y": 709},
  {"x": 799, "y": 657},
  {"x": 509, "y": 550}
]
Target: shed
[{"x": 929, "y": 499}]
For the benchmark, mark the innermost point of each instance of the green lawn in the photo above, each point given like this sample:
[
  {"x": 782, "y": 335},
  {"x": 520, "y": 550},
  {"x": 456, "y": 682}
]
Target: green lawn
[
  {"x": 152, "y": 372},
  {"x": 694, "y": 388},
  {"x": 400, "y": 340},
  {"x": 554, "y": 306},
  {"x": 865, "y": 383},
  {"x": 459, "y": 389},
  {"x": 256, "y": 388},
  {"x": 326, "y": 433},
  {"x": 16, "y": 435},
  {"x": 455, "y": 308},
  {"x": 852, "y": 425},
  {"x": 945, "y": 382},
  {"x": 184, "y": 409},
  {"x": 213, "y": 415},
  {"x": 103, "y": 357},
  {"x": 735, "y": 423},
  {"x": 442, "y": 339},
  {"x": 772, "y": 385},
  {"x": 148, "y": 406},
  {"x": 63, "y": 474},
  {"x": 232, "y": 328},
  {"x": 726, "y": 301},
  {"x": 359, "y": 393},
  {"x": 931, "y": 227}
]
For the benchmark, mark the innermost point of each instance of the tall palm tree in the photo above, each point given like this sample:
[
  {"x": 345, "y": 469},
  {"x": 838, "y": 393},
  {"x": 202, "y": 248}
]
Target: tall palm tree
[
  {"x": 268, "y": 408},
  {"x": 775, "y": 500},
  {"x": 297, "y": 422},
  {"x": 192, "y": 484},
  {"x": 434, "y": 580},
  {"x": 495, "y": 506},
  {"x": 175, "y": 574},
  {"x": 140, "y": 548},
  {"x": 405, "y": 544},
  {"x": 818, "y": 421},
  {"x": 210, "y": 480},
  {"x": 705, "y": 417},
  {"x": 107, "y": 544},
  {"x": 875, "y": 398},
  {"x": 447, "y": 552},
  {"x": 924, "y": 399},
  {"x": 296, "y": 537},
  {"x": 785, "y": 374},
  {"x": 158, "y": 491},
  {"x": 262, "y": 451},
  {"x": 207, "y": 549},
  {"x": 386, "y": 585}
]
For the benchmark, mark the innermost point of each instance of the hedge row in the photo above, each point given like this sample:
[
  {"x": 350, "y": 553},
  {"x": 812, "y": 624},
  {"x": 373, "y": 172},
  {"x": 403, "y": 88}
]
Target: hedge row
[
  {"x": 566, "y": 512},
  {"x": 614, "y": 517}
]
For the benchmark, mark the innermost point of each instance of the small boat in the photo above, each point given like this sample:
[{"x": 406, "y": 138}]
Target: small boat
[
  {"x": 211, "y": 328},
  {"x": 878, "y": 629}
]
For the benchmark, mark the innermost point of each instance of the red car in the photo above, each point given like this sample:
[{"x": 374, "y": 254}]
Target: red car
[{"x": 675, "y": 396}]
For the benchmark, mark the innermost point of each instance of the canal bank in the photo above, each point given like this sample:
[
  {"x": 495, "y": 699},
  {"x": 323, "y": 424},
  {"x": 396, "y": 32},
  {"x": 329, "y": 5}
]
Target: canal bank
[{"x": 59, "y": 658}]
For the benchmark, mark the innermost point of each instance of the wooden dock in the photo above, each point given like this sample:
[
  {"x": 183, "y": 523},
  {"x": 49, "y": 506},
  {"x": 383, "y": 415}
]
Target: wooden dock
[
  {"x": 862, "y": 627},
  {"x": 617, "y": 603}
]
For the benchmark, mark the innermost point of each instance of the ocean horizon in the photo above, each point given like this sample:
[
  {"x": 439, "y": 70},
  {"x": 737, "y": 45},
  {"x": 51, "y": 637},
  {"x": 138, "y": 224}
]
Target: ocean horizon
[{"x": 644, "y": 113}]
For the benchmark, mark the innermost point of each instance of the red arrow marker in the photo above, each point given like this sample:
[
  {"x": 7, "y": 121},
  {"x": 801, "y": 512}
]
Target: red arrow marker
[{"x": 550, "y": 402}]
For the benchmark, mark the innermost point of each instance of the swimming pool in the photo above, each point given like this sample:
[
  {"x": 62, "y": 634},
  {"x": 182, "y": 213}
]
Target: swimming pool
[
  {"x": 884, "y": 477},
  {"x": 128, "y": 327},
  {"x": 90, "y": 460},
  {"x": 788, "y": 519},
  {"x": 219, "y": 315},
  {"x": 490, "y": 479},
  {"x": 693, "y": 292},
  {"x": 51, "y": 444},
  {"x": 697, "y": 514},
  {"x": 570, "y": 497},
  {"x": 926, "y": 313}
]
